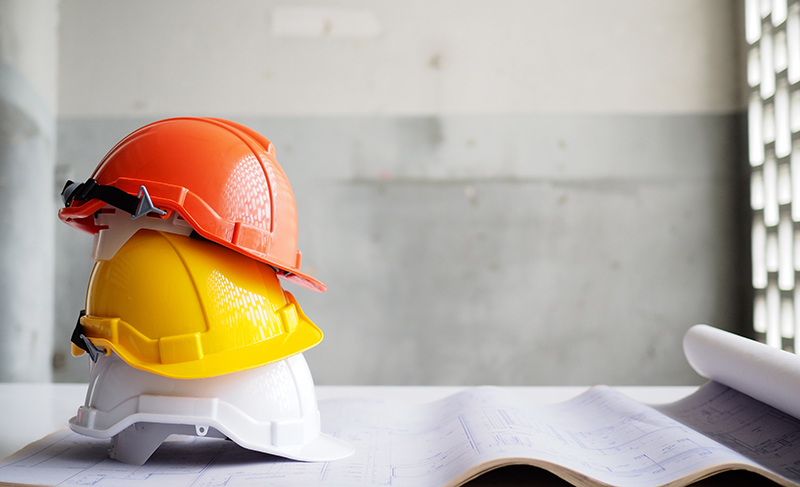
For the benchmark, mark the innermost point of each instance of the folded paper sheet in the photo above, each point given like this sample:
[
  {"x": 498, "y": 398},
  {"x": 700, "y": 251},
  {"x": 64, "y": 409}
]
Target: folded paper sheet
[{"x": 765, "y": 373}]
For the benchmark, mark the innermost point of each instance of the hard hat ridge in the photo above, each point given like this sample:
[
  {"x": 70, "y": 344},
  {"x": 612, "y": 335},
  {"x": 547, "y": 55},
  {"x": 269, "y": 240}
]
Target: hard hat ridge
[
  {"x": 211, "y": 311},
  {"x": 220, "y": 176}
]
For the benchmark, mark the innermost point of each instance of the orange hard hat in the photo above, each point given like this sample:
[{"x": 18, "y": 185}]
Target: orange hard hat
[{"x": 220, "y": 176}]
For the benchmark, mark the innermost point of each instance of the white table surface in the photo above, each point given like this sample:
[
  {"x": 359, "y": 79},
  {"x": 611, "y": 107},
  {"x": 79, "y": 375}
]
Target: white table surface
[{"x": 30, "y": 411}]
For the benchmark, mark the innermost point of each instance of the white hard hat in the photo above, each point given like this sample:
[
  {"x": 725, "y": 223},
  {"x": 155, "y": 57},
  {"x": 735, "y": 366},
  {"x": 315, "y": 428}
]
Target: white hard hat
[{"x": 271, "y": 409}]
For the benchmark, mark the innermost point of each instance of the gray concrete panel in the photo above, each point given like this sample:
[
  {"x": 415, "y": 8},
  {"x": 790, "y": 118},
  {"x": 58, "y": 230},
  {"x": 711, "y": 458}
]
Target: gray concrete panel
[
  {"x": 121, "y": 59},
  {"x": 512, "y": 250},
  {"x": 27, "y": 208}
]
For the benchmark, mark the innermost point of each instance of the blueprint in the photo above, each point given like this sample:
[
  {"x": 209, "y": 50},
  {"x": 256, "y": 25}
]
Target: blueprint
[
  {"x": 761, "y": 433},
  {"x": 601, "y": 435}
]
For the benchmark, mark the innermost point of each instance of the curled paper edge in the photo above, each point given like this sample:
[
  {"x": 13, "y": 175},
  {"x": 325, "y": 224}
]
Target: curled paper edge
[{"x": 765, "y": 373}]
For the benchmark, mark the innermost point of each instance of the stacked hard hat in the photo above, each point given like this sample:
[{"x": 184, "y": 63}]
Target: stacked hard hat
[{"x": 186, "y": 324}]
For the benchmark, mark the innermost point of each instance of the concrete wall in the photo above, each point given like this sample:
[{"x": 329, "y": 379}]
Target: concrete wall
[
  {"x": 28, "y": 80},
  {"x": 518, "y": 192}
]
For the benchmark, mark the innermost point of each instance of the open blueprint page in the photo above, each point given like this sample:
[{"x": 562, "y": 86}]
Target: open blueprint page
[
  {"x": 760, "y": 432},
  {"x": 601, "y": 435}
]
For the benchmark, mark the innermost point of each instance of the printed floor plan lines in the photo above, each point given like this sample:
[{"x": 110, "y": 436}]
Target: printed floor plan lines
[{"x": 601, "y": 435}]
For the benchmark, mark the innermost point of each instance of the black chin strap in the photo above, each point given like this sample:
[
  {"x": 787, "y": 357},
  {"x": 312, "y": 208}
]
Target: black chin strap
[
  {"x": 80, "y": 340},
  {"x": 137, "y": 206}
]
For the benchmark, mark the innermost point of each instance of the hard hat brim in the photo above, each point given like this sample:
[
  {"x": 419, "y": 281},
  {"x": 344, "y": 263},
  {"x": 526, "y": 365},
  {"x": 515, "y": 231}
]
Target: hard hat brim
[
  {"x": 82, "y": 217},
  {"x": 304, "y": 337},
  {"x": 124, "y": 397},
  {"x": 324, "y": 448}
]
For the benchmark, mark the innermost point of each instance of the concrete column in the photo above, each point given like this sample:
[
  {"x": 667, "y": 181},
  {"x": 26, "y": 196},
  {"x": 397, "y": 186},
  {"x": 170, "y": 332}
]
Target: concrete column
[{"x": 28, "y": 81}]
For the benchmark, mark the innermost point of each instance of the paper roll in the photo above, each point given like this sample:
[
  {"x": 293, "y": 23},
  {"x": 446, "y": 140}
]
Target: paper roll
[{"x": 768, "y": 374}]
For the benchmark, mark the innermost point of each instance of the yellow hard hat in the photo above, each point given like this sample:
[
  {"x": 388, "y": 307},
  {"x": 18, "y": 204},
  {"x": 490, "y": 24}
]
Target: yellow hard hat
[{"x": 187, "y": 308}]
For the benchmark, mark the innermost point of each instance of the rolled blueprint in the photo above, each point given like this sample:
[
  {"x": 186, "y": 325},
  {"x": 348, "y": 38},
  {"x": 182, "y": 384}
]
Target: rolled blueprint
[{"x": 768, "y": 374}]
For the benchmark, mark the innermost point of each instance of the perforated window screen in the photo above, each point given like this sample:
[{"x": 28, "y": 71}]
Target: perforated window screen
[{"x": 772, "y": 28}]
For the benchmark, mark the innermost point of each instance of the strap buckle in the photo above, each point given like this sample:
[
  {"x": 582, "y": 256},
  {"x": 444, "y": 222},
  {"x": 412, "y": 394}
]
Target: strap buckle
[{"x": 81, "y": 341}]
